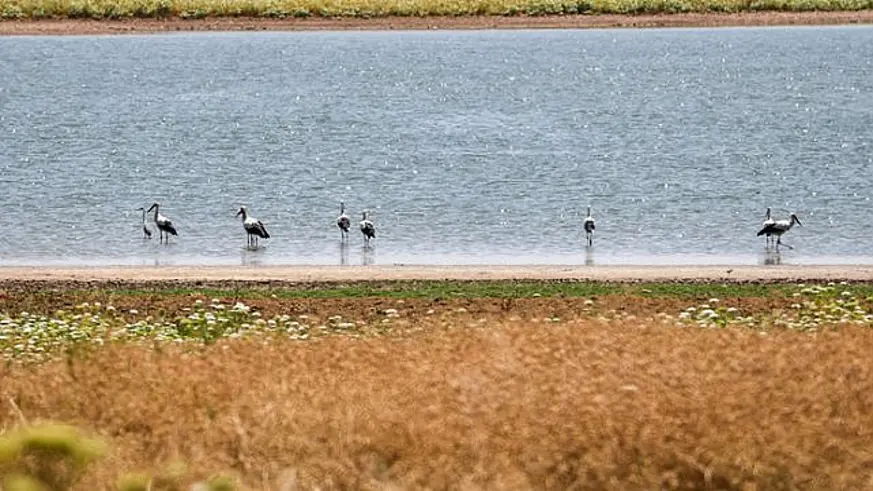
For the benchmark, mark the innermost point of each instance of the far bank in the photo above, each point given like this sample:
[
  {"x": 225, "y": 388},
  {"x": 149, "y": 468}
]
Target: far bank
[{"x": 66, "y": 26}]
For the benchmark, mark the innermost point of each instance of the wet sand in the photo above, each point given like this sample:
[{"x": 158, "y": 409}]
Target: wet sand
[
  {"x": 139, "y": 26},
  {"x": 318, "y": 274}
]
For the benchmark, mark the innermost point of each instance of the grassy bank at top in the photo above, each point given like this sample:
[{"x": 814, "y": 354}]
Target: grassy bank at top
[{"x": 199, "y": 9}]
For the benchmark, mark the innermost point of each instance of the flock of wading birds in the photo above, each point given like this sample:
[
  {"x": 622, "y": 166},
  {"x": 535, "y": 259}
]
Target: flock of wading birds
[{"x": 255, "y": 228}]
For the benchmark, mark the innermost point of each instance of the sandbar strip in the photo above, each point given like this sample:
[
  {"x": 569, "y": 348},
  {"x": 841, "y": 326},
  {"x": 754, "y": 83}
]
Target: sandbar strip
[{"x": 342, "y": 274}]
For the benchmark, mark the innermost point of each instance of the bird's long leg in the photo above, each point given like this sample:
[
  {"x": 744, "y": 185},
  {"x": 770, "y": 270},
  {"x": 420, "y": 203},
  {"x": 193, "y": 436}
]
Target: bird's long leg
[{"x": 780, "y": 243}]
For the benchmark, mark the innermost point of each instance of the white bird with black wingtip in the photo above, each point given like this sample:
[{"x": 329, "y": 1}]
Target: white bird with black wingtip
[
  {"x": 778, "y": 228},
  {"x": 165, "y": 226},
  {"x": 367, "y": 228},
  {"x": 146, "y": 231},
  {"x": 588, "y": 225},
  {"x": 254, "y": 228},
  {"x": 343, "y": 222},
  {"x": 768, "y": 221}
]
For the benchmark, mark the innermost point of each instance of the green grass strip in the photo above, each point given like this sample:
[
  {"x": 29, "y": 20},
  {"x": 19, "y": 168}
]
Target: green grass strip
[
  {"x": 195, "y": 9},
  {"x": 482, "y": 289}
]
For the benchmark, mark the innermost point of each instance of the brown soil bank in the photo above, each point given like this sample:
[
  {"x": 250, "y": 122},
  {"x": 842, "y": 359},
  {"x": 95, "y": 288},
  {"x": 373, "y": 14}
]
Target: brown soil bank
[{"x": 86, "y": 26}]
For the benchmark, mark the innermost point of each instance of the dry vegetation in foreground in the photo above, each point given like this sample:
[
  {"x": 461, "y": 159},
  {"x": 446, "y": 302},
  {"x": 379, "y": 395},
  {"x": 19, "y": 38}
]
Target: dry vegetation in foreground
[{"x": 478, "y": 394}]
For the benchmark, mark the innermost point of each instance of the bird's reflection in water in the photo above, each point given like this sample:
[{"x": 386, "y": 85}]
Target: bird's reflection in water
[
  {"x": 771, "y": 258},
  {"x": 589, "y": 257},
  {"x": 251, "y": 257},
  {"x": 367, "y": 255},
  {"x": 344, "y": 253}
]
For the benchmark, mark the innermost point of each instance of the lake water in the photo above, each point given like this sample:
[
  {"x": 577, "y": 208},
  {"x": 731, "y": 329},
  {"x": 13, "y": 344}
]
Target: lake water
[{"x": 467, "y": 147}]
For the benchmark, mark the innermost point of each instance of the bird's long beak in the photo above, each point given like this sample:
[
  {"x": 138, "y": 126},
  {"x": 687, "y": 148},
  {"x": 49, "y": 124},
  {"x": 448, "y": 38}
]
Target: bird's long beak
[
  {"x": 151, "y": 208},
  {"x": 798, "y": 221}
]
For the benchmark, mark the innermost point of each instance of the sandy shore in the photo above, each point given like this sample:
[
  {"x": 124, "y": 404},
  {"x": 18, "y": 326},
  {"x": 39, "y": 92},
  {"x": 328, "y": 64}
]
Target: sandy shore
[
  {"x": 316, "y": 274},
  {"x": 138, "y": 26}
]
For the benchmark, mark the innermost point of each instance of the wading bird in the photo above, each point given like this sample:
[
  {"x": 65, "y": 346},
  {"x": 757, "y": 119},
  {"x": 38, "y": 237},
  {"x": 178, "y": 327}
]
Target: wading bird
[
  {"x": 778, "y": 228},
  {"x": 343, "y": 222},
  {"x": 588, "y": 224},
  {"x": 146, "y": 231},
  {"x": 254, "y": 228},
  {"x": 165, "y": 226},
  {"x": 367, "y": 228},
  {"x": 767, "y": 222}
]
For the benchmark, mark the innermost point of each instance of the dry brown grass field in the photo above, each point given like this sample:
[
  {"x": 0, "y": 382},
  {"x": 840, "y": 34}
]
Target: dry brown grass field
[{"x": 550, "y": 392}]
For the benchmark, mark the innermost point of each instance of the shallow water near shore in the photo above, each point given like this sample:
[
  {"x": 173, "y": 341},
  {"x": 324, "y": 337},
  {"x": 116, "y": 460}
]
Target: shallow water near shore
[{"x": 480, "y": 147}]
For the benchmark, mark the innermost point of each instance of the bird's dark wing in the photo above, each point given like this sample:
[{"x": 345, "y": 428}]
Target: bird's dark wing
[
  {"x": 262, "y": 230},
  {"x": 168, "y": 227},
  {"x": 769, "y": 229}
]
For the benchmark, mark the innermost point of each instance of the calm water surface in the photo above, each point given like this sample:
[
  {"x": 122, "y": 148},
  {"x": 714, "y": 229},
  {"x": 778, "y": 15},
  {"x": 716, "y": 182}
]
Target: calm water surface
[{"x": 467, "y": 147}]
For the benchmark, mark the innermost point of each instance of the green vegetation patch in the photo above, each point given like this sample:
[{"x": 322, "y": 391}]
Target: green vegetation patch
[
  {"x": 28, "y": 336},
  {"x": 486, "y": 289},
  {"x": 197, "y": 9}
]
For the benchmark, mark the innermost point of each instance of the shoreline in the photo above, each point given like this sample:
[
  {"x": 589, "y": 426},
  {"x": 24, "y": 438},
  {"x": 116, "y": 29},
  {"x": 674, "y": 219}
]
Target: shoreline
[
  {"x": 66, "y": 27},
  {"x": 293, "y": 275}
]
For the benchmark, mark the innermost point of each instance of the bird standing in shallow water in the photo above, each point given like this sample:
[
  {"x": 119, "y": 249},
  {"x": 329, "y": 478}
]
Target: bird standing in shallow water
[
  {"x": 165, "y": 226},
  {"x": 146, "y": 231},
  {"x": 767, "y": 222},
  {"x": 367, "y": 228},
  {"x": 343, "y": 222},
  {"x": 254, "y": 228},
  {"x": 778, "y": 228},
  {"x": 588, "y": 224}
]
